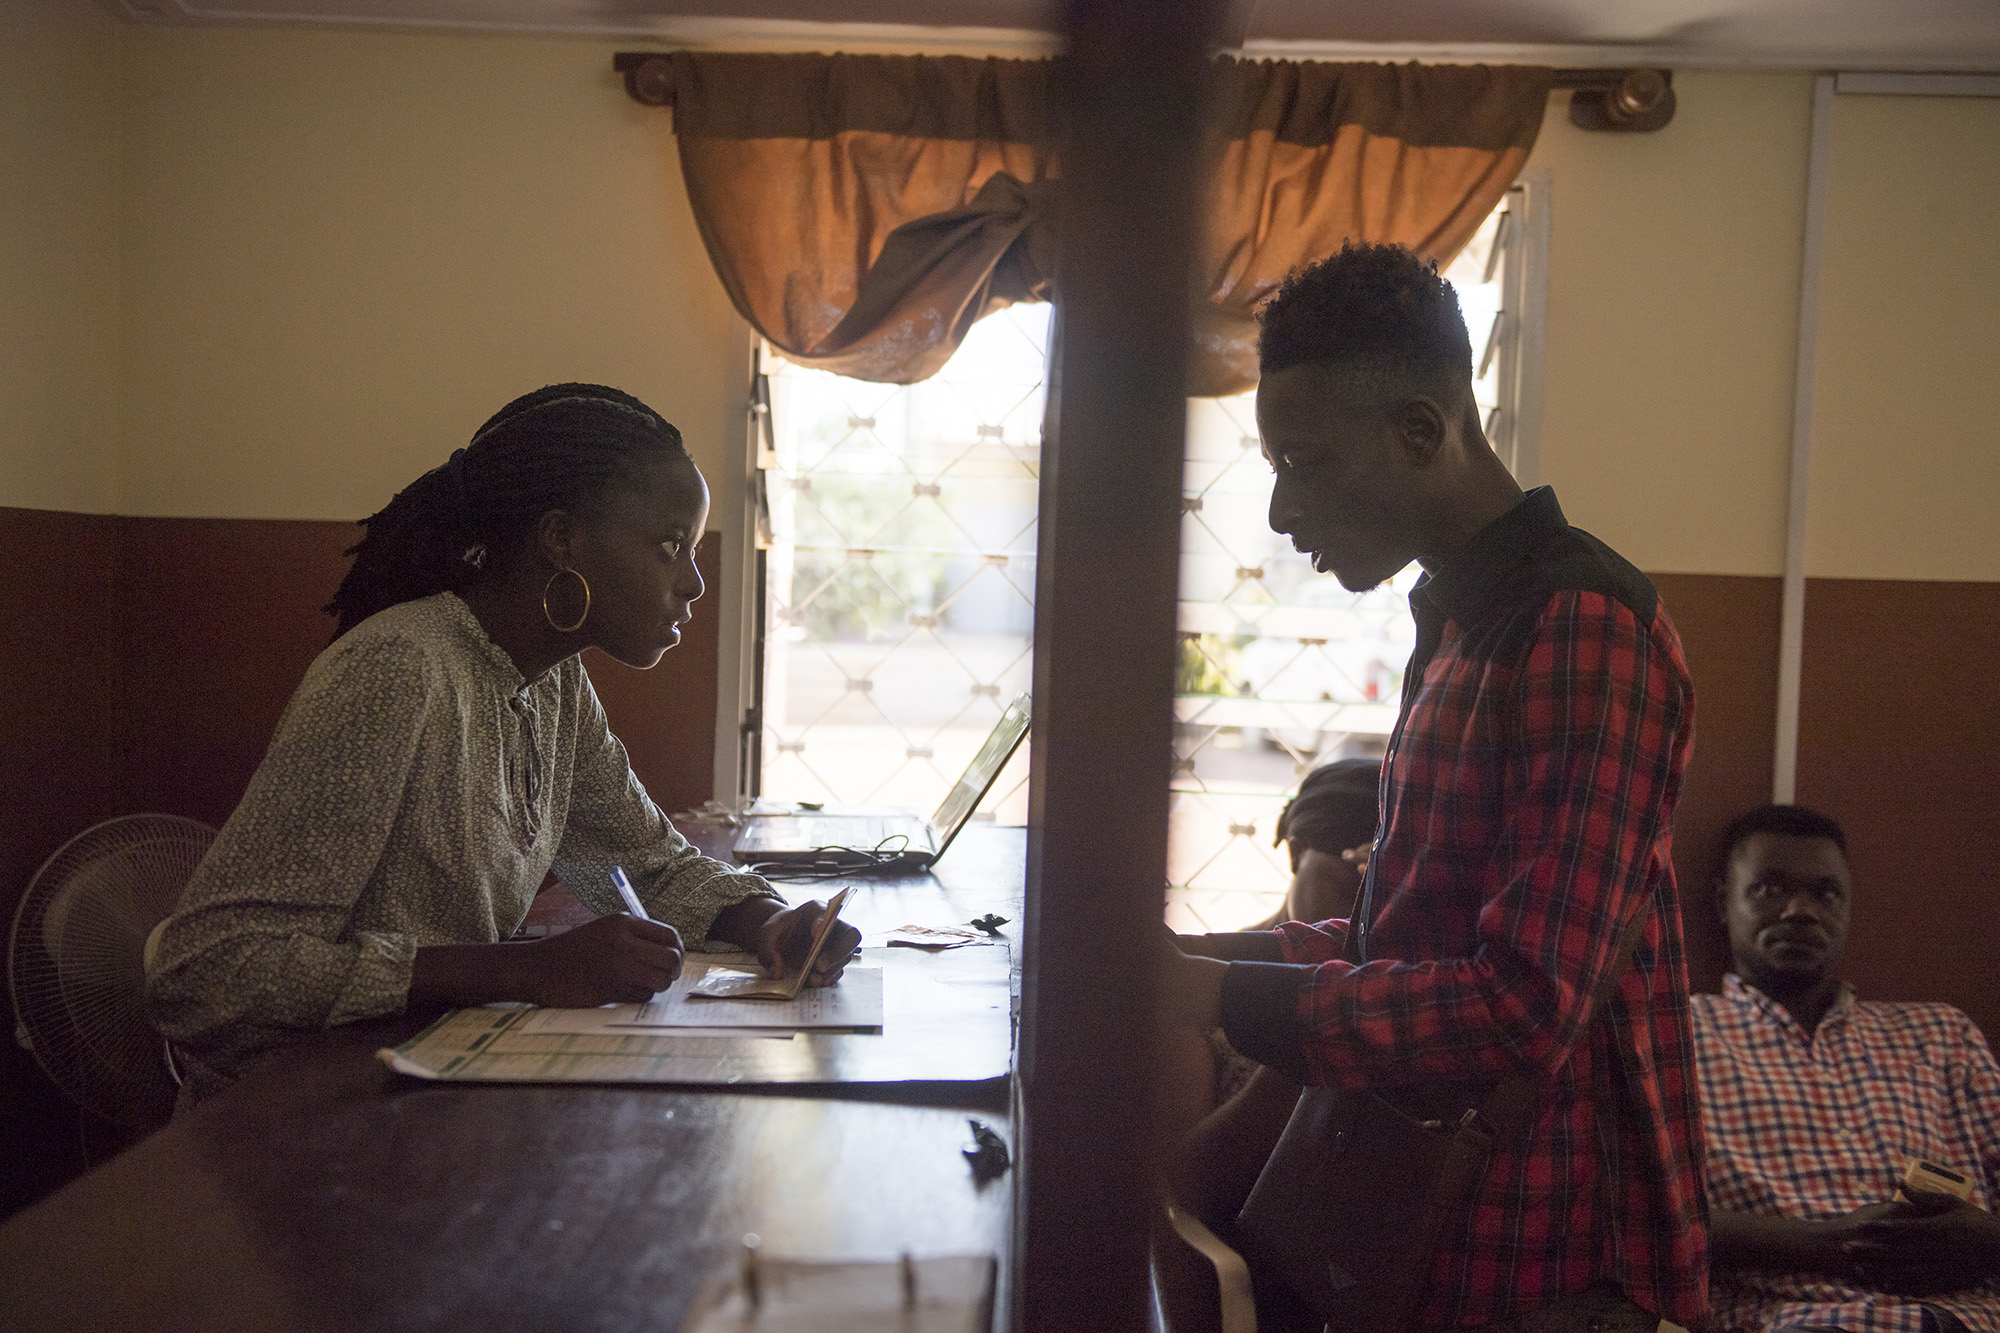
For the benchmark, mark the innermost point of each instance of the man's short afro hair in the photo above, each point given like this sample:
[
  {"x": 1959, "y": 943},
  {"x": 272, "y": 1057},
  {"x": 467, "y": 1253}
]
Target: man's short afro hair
[
  {"x": 1377, "y": 303},
  {"x": 1790, "y": 821}
]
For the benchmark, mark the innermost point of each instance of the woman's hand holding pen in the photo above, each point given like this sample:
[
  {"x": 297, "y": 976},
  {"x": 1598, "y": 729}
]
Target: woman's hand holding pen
[{"x": 615, "y": 959}]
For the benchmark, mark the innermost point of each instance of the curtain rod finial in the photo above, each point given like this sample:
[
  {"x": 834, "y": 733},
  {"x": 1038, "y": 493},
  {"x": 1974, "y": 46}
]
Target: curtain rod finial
[
  {"x": 648, "y": 79},
  {"x": 1640, "y": 100}
]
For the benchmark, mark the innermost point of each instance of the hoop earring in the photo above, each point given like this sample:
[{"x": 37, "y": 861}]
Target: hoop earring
[{"x": 585, "y": 615}]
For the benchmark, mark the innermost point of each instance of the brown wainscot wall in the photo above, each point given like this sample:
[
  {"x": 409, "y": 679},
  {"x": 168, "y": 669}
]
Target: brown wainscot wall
[
  {"x": 1899, "y": 739},
  {"x": 147, "y": 661},
  {"x": 61, "y": 770},
  {"x": 1729, "y": 632}
]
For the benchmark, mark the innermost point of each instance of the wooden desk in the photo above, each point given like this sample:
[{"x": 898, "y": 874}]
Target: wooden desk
[{"x": 325, "y": 1193}]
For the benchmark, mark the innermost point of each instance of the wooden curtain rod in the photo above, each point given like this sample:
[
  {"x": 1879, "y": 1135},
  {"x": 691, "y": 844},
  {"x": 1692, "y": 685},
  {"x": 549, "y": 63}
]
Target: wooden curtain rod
[{"x": 1618, "y": 100}]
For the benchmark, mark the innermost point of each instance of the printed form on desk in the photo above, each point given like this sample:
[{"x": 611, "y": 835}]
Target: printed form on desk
[
  {"x": 670, "y": 1039},
  {"x": 853, "y": 1004},
  {"x": 902, "y": 1017}
]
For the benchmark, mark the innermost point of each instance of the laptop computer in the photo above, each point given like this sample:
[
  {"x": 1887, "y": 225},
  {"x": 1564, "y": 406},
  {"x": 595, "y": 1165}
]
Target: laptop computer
[{"x": 898, "y": 840}]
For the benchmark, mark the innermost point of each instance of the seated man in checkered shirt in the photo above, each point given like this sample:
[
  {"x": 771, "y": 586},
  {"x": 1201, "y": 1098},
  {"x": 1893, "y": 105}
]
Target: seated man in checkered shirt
[{"x": 1812, "y": 1103}]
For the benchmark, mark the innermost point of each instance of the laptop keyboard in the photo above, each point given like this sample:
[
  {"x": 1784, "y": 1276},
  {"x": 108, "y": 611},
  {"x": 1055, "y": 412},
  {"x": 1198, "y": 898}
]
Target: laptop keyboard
[{"x": 860, "y": 832}]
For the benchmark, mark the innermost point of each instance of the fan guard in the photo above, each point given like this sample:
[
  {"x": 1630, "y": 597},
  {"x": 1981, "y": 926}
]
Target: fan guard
[{"x": 75, "y": 966}]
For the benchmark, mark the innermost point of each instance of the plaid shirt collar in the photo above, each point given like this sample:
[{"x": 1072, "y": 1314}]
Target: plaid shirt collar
[
  {"x": 1479, "y": 576},
  {"x": 1736, "y": 989}
]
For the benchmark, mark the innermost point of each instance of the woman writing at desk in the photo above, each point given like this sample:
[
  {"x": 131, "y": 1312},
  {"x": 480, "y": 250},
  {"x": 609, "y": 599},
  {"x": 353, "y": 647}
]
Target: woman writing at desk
[{"x": 447, "y": 751}]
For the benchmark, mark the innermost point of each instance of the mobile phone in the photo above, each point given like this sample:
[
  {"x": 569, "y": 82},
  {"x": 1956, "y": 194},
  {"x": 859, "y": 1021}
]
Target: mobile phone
[{"x": 1921, "y": 1177}]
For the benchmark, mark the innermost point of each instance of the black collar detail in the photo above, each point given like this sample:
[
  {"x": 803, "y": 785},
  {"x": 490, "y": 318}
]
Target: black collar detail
[{"x": 1492, "y": 562}]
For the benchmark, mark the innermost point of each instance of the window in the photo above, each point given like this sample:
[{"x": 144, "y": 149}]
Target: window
[
  {"x": 896, "y": 580},
  {"x": 899, "y": 571}
]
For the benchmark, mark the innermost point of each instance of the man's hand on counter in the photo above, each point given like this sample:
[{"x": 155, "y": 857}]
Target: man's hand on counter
[{"x": 1190, "y": 986}]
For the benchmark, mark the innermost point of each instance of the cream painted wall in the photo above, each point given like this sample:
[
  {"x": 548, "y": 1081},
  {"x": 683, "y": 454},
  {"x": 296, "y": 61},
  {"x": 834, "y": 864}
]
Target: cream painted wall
[
  {"x": 1906, "y": 416},
  {"x": 58, "y": 256},
  {"x": 1673, "y": 293},
  {"x": 344, "y": 251}
]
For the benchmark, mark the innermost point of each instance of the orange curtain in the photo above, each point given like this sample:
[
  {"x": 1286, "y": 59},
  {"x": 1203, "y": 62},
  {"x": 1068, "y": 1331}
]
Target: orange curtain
[
  {"x": 864, "y": 211},
  {"x": 1309, "y": 155}
]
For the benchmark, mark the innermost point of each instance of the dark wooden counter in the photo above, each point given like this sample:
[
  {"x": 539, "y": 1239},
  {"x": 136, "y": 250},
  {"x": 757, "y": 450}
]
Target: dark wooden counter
[{"x": 325, "y": 1193}]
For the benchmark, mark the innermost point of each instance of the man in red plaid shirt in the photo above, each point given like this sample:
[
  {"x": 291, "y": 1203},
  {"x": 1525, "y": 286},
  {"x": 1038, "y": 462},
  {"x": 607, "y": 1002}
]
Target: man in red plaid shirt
[
  {"x": 1527, "y": 808},
  {"x": 1814, "y": 1103}
]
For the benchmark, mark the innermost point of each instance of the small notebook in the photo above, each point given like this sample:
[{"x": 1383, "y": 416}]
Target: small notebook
[{"x": 752, "y": 986}]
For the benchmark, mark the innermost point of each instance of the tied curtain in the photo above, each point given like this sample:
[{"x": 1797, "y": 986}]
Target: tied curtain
[{"x": 864, "y": 211}]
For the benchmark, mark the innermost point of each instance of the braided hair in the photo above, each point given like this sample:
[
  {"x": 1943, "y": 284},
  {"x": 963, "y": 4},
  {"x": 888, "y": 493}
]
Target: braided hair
[{"x": 556, "y": 448}]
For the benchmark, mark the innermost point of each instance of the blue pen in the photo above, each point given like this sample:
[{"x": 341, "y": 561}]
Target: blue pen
[{"x": 624, "y": 887}]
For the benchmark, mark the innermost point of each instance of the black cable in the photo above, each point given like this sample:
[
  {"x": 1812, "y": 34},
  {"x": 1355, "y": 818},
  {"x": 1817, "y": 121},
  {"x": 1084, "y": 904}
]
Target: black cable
[{"x": 835, "y": 862}]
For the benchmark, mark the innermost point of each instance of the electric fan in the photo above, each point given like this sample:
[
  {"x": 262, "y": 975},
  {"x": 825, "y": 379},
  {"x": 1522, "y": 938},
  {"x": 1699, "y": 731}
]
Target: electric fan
[{"x": 75, "y": 961}]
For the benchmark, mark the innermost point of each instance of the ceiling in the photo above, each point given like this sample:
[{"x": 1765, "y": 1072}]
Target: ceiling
[{"x": 1815, "y": 34}]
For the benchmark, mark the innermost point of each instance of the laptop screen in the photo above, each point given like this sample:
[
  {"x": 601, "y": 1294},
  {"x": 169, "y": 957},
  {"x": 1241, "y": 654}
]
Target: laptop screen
[{"x": 980, "y": 773}]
